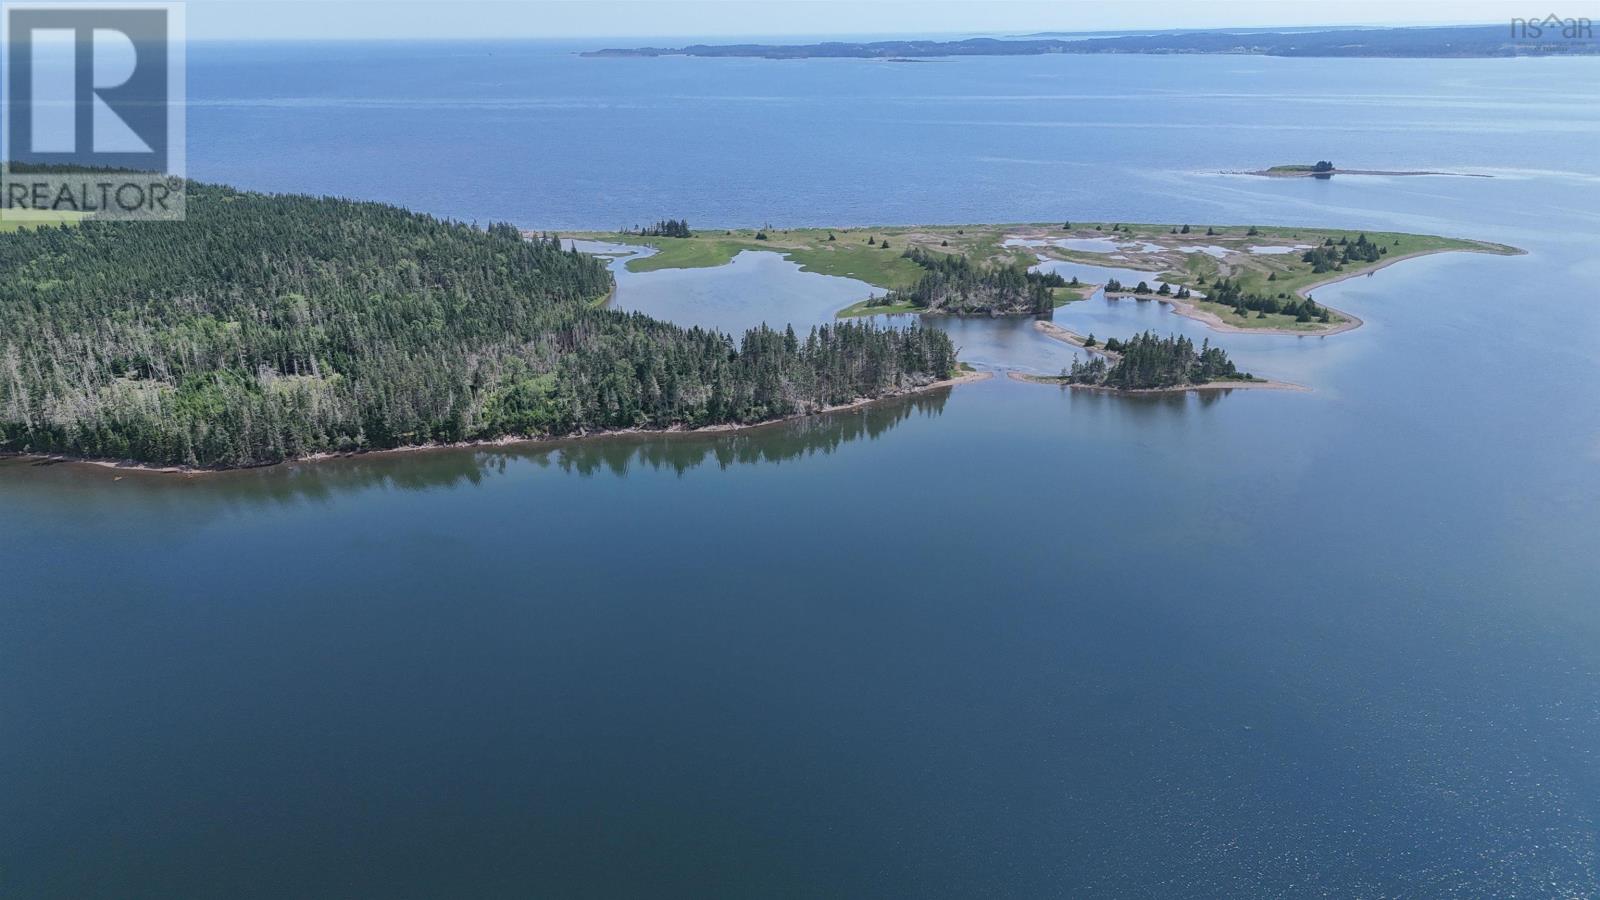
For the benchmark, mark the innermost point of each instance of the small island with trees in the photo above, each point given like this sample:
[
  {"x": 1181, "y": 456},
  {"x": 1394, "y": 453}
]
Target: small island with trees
[
  {"x": 1146, "y": 363},
  {"x": 1324, "y": 169}
]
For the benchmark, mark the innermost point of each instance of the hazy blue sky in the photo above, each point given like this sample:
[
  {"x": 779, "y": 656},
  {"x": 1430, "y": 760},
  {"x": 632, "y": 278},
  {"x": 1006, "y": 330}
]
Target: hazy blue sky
[{"x": 271, "y": 19}]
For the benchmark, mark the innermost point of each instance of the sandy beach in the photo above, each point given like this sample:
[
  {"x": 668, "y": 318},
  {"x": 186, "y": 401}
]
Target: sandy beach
[{"x": 1051, "y": 329}]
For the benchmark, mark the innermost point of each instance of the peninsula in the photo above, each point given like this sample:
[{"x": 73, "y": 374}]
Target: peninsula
[{"x": 1244, "y": 278}]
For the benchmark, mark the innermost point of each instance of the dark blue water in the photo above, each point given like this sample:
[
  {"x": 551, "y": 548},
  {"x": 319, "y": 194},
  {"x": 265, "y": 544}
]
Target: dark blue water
[{"x": 1006, "y": 640}]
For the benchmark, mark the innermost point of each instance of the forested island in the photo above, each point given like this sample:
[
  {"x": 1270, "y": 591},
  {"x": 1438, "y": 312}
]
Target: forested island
[
  {"x": 271, "y": 327},
  {"x": 1147, "y": 363},
  {"x": 1563, "y": 37}
]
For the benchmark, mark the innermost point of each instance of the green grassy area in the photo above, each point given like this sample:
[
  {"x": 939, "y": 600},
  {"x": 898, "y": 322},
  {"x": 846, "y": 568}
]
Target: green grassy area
[
  {"x": 874, "y": 265},
  {"x": 1295, "y": 276},
  {"x": 847, "y": 255},
  {"x": 683, "y": 253},
  {"x": 1270, "y": 320},
  {"x": 16, "y": 219},
  {"x": 1069, "y": 294}
]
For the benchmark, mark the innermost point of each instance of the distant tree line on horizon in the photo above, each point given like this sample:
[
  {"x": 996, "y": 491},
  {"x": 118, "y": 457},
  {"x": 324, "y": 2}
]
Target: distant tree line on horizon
[
  {"x": 265, "y": 328},
  {"x": 1410, "y": 42}
]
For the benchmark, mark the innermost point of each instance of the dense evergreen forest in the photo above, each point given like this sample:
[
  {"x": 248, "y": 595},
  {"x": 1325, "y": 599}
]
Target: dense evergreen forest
[
  {"x": 270, "y": 327},
  {"x": 954, "y": 284},
  {"x": 1146, "y": 361}
]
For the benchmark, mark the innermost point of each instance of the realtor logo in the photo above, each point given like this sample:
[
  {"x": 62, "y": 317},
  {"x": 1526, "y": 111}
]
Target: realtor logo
[{"x": 93, "y": 123}]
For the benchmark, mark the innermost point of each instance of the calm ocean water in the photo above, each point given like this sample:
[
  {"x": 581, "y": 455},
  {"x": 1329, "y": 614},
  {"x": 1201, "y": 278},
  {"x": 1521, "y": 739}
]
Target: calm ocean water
[{"x": 1001, "y": 641}]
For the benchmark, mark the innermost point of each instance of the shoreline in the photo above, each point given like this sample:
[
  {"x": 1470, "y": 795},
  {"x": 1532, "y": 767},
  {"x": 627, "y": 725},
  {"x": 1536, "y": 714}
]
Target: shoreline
[
  {"x": 1258, "y": 385},
  {"x": 1352, "y": 322},
  {"x": 126, "y": 465},
  {"x": 1214, "y": 322}
]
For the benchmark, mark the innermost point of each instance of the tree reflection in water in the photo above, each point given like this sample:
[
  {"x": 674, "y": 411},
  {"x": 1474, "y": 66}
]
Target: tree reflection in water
[{"x": 446, "y": 468}]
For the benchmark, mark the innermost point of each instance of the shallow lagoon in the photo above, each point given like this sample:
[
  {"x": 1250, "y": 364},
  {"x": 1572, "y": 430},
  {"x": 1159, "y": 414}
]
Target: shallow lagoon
[{"x": 755, "y": 288}]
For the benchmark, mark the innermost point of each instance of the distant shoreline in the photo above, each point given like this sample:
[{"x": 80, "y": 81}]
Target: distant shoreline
[
  {"x": 1494, "y": 41},
  {"x": 123, "y": 465}
]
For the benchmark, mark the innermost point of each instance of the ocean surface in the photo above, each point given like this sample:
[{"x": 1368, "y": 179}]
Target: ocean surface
[{"x": 1000, "y": 640}]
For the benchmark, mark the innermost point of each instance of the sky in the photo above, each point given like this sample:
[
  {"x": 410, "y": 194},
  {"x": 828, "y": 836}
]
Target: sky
[{"x": 660, "y": 19}]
